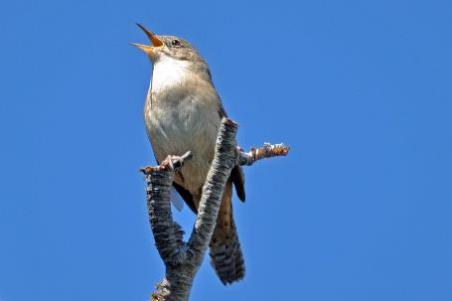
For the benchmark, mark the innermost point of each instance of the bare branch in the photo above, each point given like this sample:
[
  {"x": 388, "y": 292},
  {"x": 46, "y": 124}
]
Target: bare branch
[
  {"x": 167, "y": 233},
  {"x": 224, "y": 161},
  {"x": 266, "y": 151},
  {"x": 159, "y": 209}
]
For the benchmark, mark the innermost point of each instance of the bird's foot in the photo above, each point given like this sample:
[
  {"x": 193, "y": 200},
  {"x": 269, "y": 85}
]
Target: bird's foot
[{"x": 170, "y": 163}]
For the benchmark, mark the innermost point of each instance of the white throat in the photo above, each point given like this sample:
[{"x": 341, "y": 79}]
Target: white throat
[{"x": 168, "y": 72}]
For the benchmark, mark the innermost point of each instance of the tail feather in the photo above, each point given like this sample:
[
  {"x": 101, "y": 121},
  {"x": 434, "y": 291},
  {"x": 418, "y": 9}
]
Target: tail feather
[
  {"x": 227, "y": 260},
  {"x": 225, "y": 251}
]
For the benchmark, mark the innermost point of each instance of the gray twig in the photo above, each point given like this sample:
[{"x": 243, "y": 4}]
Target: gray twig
[{"x": 266, "y": 151}]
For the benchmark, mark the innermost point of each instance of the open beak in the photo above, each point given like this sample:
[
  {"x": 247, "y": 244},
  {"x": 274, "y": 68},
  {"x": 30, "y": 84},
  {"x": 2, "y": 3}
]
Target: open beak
[{"x": 153, "y": 38}]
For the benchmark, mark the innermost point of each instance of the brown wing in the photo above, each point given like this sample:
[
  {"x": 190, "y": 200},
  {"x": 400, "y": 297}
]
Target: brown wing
[{"x": 238, "y": 178}]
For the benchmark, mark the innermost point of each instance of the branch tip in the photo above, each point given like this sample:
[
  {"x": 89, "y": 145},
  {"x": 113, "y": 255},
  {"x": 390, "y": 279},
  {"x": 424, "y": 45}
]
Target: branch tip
[
  {"x": 229, "y": 122},
  {"x": 266, "y": 151}
]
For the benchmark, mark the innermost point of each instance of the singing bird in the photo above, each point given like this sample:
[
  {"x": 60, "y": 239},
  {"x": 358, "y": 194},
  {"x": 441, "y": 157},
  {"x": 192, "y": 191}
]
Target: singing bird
[{"x": 182, "y": 112}]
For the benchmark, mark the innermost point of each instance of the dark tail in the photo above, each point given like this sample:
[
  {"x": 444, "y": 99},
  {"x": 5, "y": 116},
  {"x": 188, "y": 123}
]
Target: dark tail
[{"x": 225, "y": 252}]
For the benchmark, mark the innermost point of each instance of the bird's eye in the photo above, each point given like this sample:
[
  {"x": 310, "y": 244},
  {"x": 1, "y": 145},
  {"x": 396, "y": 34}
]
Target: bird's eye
[{"x": 175, "y": 43}]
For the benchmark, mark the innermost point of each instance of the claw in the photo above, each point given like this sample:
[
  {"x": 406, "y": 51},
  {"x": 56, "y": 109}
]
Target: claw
[{"x": 170, "y": 163}]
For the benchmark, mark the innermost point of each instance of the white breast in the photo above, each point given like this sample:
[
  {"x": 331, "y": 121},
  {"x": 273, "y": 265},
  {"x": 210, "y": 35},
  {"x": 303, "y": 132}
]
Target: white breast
[{"x": 167, "y": 73}]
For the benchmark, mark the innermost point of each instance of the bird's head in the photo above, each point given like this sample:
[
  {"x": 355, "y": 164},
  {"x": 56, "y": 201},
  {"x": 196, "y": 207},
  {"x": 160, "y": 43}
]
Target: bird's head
[{"x": 168, "y": 46}]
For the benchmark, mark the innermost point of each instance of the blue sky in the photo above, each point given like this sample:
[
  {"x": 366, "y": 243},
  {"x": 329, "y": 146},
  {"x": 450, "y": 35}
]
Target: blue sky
[{"x": 361, "y": 90}]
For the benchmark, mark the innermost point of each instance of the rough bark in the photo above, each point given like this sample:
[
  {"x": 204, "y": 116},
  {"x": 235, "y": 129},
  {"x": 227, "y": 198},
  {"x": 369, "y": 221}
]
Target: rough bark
[{"x": 183, "y": 259}]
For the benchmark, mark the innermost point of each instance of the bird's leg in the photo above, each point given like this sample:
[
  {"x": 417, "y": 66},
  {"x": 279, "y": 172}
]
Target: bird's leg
[
  {"x": 171, "y": 162},
  {"x": 168, "y": 163},
  {"x": 176, "y": 162}
]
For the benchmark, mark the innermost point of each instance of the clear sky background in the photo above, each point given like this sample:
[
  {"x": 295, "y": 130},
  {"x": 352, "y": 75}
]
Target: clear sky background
[{"x": 361, "y": 90}]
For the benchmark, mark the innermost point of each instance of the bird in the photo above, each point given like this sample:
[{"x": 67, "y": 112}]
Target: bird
[{"x": 183, "y": 112}]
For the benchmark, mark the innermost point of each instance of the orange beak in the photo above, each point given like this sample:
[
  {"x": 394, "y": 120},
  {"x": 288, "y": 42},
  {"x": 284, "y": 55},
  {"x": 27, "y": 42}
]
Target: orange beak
[{"x": 153, "y": 38}]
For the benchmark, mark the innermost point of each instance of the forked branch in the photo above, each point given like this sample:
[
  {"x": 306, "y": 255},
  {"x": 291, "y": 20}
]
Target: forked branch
[{"x": 182, "y": 260}]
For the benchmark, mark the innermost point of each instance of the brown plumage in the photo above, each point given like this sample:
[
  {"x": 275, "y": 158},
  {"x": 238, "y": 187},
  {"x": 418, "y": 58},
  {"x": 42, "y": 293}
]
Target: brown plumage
[{"x": 183, "y": 112}]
